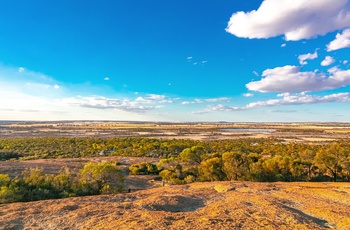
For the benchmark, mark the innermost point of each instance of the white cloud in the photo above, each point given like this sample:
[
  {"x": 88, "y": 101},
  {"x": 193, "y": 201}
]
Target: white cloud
[
  {"x": 98, "y": 102},
  {"x": 345, "y": 62},
  {"x": 287, "y": 99},
  {"x": 255, "y": 73},
  {"x": 300, "y": 99},
  {"x": 21, "y": 69},
  {"x": 56, "y": 86},
  {"x": 327, "y": 61},
  {"x": 309, "y": 56},
  {"x": 200, "y": 101},
  {"x": 290, "y": 79},
  {"x": 106, "y": 78},
  {"x": 283, "y": 45},
  {"x": 217, "y": 99},
  {"x": 153, "y": 98},
  {"x": 248, "y": 95},
  {"x": 189, "y": 58},
  {"x": 139, "y": 105},
  {"x": 295, "y": 19},
  {"x": 341, "y": 41}
]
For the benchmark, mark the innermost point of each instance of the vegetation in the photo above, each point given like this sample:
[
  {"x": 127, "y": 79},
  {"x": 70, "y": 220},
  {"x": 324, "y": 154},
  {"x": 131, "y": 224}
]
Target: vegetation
[
  {"x": 181, "y": 161},
  {"x": 94, "y": 178},
  {"x": 265, "y": 160},
  {"x": 143, "y": 168}
]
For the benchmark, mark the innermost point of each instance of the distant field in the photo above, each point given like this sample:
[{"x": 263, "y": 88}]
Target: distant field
[{"x": 305, "y": 132}]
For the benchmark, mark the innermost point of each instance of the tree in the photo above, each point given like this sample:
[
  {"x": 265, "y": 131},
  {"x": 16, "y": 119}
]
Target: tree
[
  {"x": 143, "y": 168},
  {"x": 193, "y": 155},
  {"x": 331, "y": 158},
  {"x": 4, "y": 179},
  {"x": 63, "y": 183},
  {"x": 235, "y": 165},
  {"x": 104, "y": 177},
  {"x": 211, "y": 170}
]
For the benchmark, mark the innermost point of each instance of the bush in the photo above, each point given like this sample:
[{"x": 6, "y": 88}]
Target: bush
[
  {"x": 104, "y": 177},
  {"x": 143, "y": 169}
]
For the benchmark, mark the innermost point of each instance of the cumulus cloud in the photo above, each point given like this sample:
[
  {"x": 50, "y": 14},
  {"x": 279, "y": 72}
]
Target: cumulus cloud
[
  {"x": 291, "y": 79},
  {"x": 341, "y": 41},
  {"x": 295, "y": 19},
  {"x": 327, "y": 61},
  {"x": 56, "y": 86},
  {"x": 287, "y": 99},
  {"x": 309, "y": 56}
]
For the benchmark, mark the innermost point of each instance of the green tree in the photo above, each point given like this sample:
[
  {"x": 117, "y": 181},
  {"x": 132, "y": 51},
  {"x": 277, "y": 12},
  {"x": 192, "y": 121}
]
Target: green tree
[
  {"x": 331, "y": 159},
  {"x": 4, "y": 180},
  {"x": 104, "y": 177},
  {"x": 193, "y": 155},
  {"x": 236, "y": 165},
  {"x": 143, "y": 168},
  {"x": 211, "y": 170}
]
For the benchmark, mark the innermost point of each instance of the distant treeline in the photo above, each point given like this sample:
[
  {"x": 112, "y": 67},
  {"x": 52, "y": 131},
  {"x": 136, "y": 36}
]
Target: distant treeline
[{"x": 184, "y": 161}]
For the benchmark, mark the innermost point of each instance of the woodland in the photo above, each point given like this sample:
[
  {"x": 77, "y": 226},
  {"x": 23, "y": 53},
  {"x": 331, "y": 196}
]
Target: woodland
[{"x": 181, "y": 161}]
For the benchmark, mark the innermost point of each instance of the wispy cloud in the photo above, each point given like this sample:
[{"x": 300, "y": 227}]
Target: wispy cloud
[
  {"x": 248, "y": 95},
  {"x": 291, "y": 79},
  {"x": 296, "y": 20},
  {"x": 106, "y": 78},
  {"x": 283, "y": 111},
  {"x": 139, "y": 105},
  {"x": 211, "y": 100},
  {"x": 154, "y": 98}
]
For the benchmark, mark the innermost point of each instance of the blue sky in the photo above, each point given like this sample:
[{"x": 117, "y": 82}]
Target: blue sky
[{"x": 237, "y": 60}]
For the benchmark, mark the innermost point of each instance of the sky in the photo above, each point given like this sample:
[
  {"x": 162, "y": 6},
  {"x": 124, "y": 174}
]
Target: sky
[{"x": 175, "y": 60}]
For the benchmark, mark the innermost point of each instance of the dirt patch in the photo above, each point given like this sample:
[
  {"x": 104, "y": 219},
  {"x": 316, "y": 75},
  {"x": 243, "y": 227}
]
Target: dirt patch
[{"x": 172, "y": 203}]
